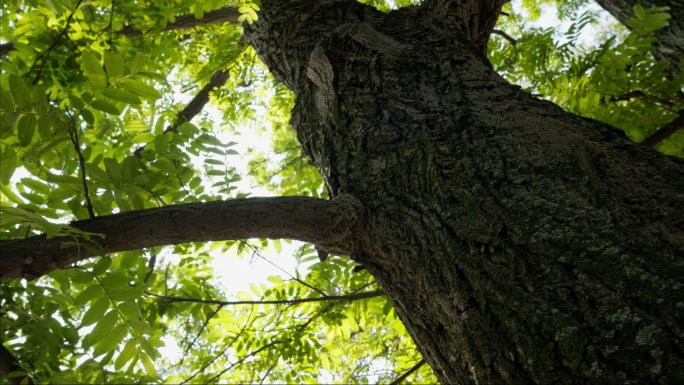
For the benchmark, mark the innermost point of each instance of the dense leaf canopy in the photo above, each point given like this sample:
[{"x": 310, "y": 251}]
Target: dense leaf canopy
[{"x": 113, "y": 106}]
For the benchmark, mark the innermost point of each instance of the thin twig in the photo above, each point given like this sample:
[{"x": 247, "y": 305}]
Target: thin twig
[
  {"x": 408, "y": 372},
  {"x": 257, "y": 252},
  {"x": 204, "y": 326},
  {"x": 73, "y": 134},
  {"x": 505, "y": 36},
  {"x": 43, "y": 56}
]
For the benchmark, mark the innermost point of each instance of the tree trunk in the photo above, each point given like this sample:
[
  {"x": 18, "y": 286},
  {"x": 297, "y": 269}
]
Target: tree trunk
[
  {"x": 670, "y": 43},
  {"x": 519, "y": 243}
]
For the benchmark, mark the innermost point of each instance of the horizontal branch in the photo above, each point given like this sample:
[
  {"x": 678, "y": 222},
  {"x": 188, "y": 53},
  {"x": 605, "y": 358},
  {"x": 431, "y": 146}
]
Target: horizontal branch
[
  {"x": 348, "y": 297},
  {"x": 222, "y": 15},
  {"x": 327, "y": 223}
]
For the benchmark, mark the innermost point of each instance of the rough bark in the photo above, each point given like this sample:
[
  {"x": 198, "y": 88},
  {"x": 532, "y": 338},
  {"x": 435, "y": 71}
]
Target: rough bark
[
  {"x": 670, "y": 43},
  {"x": 324, "y": 223},
  {"x": 518, "y": 243}
]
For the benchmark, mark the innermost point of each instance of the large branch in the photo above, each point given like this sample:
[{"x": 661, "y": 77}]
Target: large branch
[{"x": 327, "y": 223}]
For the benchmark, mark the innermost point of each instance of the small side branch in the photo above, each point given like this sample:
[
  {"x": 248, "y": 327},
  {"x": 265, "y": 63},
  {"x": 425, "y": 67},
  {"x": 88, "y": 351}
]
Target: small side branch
[
  {"x": 408, "y": 373},
  {"x": 665, "y": 131},
  {"x": 222, "y": 15},
  {"x": 332, "y": 223},
  {"x": 505, "y": 36},
  {"x": 73, "y": 134},
  {"x": 327, "y": 298},
  {"x": 195, "y": 106},
  {"x": 43, "y": 56}
]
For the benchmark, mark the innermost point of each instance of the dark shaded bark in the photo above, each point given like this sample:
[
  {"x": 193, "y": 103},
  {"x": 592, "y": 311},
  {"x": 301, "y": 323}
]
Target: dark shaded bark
[
  {"x": 518, "y": 243},
  {"x": 670, "y": 43},
  {"x": 5, "y": 48},
  {"x": 8, "y": 365},
  {"x": 324, "y": 223}
]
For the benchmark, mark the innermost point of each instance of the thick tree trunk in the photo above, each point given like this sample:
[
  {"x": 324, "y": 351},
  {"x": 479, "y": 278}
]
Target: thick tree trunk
[
  {"x": 670, "y": 43},
  {"x": 518, "y": 243}
]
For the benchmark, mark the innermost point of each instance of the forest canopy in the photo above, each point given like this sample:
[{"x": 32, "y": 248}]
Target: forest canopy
[{"x": 110, "y": 107}]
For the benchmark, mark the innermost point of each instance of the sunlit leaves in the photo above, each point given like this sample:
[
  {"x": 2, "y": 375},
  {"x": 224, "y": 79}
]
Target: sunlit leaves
[
  {"x": 248, "y": 13},
  {"x": 93, "y": 69}
]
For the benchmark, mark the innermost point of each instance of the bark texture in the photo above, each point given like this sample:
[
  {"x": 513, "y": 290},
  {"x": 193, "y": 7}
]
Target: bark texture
[
  {"x": 670, "y": 43},
  {"x": 519, "y": 243},
  {"x": 324, "y": 223}
]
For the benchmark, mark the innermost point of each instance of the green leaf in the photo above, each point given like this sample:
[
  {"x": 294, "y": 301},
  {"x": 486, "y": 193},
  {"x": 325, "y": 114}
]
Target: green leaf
[
  {"x": 111, "y": 340},
  {"x": 140, "y": 88},
  {"x": 96, "y": 311},
  {"x": 76, "y": 102},
  {"x": 102, "y": 265},
  {"x": 138, "y": 62},
  {"x": 35, "y": 185},
  {"x": 103, "y": 327},
  {"x": 639, "y": 11},
  {"x": 147, "y": 364},
  {"x": 87, "y": 295},
  {"x": 126, "y": 293},
  {"x": 114, "y": 65},
  {"x": 121, "y": 96},
  {"x": 143, "y": 138},
  {"x": 113, "y": 169},
  {"x": 127, "y": 353},
  {"x": 93, "y": 69},
  {"x": 88, "y": 117},
  {"x": 26, "y": 127},
  {"x": 115, "y": 281},
  {"x": 8, "y": 163},
  {"x": 105, "y": 106},
  {"x": 20, "y": 92},
  {"x": 130, "y": 310}
]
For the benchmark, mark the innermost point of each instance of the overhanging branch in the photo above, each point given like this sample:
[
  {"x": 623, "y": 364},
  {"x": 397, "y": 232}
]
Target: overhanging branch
[
  {"x": 327, "y": 223},
  {"x": 222, "y": 15}
]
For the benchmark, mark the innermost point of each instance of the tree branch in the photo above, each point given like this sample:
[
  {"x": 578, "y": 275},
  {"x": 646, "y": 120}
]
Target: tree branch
[
  {"x": 408, "y": 372},
  {"x": 222, "y": 15},
  {"x": 665, "y": 131},
  {"x": 195, "y": 106},
  {"x": 348, "y": 297},
  {"x": 505, "y": 36},
  {"x": 328, "y": 223}
]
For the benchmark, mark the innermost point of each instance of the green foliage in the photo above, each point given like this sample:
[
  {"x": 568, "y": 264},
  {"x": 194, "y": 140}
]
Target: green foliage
[{"x": 99, "y": 89}]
